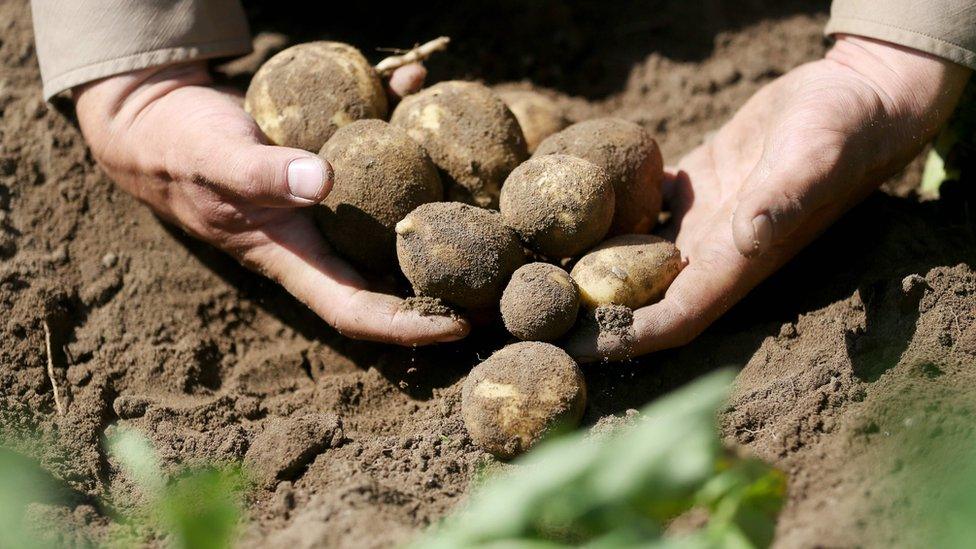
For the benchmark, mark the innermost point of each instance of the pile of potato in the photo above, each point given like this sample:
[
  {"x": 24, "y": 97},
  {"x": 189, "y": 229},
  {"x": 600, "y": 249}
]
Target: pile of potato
[{"x": 447, "y": 191}]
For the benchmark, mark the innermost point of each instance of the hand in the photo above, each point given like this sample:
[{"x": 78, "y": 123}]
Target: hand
[
  {"x": 189, "y": 151},
  {"x": 802, "y": 151}
]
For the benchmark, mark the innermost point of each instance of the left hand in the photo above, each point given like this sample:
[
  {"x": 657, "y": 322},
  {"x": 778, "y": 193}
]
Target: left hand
[{"x": 802, "y": 151}]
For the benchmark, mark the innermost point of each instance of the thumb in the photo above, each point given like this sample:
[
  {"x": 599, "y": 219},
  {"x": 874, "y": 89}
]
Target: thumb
[
  {"x": 791, "y": 182},
  {"x": 264, "y": 175}
]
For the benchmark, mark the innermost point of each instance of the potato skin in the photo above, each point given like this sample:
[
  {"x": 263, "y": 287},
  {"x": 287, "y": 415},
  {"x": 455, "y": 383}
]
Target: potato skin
[
  {"x": 559, "y": 205},
  {"x": 469, "y": 133},
  {"x": 631, "y": 270},
  {"x": 631, "y": 158},
  {"x": 381, "y": 175},
  {"x": 538, "y": 115},
  {"x": 515, "y": 397},
  {"x": 303, "y": 94},
  {"x": 460, "y": 253},
  {"x": 540, "y": 302}
]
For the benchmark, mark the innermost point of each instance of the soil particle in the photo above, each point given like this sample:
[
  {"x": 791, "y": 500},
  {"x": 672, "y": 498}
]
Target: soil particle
[
  {"x": 287, "y": 445},
  {"x": 616, "y": 320},
  {"x": 428, "y": 306}
]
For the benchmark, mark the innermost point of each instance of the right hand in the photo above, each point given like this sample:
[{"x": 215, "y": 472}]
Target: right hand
[{"x": 188, "y": 150}]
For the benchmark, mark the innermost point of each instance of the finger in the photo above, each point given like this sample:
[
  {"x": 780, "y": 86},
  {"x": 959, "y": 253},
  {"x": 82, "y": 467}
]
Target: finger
[
  {"x": 297, "y": 258},
  {"x": 791, "y": 182},
  {"x": 260, "y": 174},
  {"x": 406, "y": 80}
]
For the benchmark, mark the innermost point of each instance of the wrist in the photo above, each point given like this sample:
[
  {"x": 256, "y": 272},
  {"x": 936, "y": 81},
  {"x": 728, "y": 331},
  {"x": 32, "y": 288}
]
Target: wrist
[
  {"x": 123, "y": 96},
  {"x": 913, "y": 85}
]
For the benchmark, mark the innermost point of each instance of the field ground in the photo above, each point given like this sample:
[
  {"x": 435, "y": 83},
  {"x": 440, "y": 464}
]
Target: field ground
[{"x": 154, "y": 330}]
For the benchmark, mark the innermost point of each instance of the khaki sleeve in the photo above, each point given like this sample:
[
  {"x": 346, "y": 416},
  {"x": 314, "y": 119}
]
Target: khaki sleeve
[
  {"x": 80, "y": 41},
  {"x": 945, "y": 28}
]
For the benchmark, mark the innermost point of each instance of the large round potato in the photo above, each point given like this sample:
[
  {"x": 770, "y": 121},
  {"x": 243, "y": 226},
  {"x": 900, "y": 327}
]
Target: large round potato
[
  {"x": 303, "y": 94},
  {"x": 559, "y": 205},
  {"x": 460, "y": 253},
  {"x": 381, "y": 175},
  {"x": 469, "y": 133},
  {"x": 540, "y": 303},
  {"x": 631, "y": 270},
  {"x": 538, "y": 115},
  {"x": 631, "y": 158},
  {"x": 519, "y": 394}
]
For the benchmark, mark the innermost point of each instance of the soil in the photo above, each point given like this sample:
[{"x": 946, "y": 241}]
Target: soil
[{"x": 153, "y": 330}]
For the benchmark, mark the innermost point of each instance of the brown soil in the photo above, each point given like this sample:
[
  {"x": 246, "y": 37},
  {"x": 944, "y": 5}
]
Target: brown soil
[{"x": 156, "y": 331}]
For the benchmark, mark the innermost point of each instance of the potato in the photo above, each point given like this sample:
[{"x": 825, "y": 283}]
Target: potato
[
  {"x": 559, "y": 205},
  {"x": 540, "y": 302},
  {"x": 469, "y": 133},
  {"x": 303, "y": 94},
  {"x": 381, "y": 175},
  {"x": 538, "y": 115},
  {"x": 457, "y": 252},
  {"x": 630, "y": 270},
  {"x": 520, "y": 393},
  {"x": 631, "y": 158}
]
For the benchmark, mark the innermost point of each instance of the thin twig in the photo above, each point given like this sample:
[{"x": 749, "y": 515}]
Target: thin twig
[
  {"x": 421, "y": 52},
  {"x": 50, "y": 368}
]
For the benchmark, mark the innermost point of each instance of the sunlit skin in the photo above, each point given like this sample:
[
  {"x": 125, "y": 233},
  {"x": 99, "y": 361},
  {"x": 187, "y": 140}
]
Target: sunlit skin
[
  {"x": 187, "y": 149},
  {"x": 802, "y": 151}
]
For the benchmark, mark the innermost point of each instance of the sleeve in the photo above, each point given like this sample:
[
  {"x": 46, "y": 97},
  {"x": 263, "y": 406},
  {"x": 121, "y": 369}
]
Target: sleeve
[
  {"x": 944, "y": 28},
  {"x": 81, "y": 41}
]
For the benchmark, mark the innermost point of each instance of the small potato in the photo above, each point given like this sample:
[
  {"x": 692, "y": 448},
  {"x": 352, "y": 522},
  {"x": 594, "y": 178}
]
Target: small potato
[
  {"x": 381, "y": 175},
  {"x": 630, "y": 270},
  {"x": 457, "y": 252},
  {"x": 559, "y": 205},
  {"x": 303, "y": 94},
  {"x": 469, "y": 133},
  {"x": 540, "y": 303},
  {"x": 520, "y": 393},
  {"x": 631, "y": 158},
  {"x": 538, "y": 115}
]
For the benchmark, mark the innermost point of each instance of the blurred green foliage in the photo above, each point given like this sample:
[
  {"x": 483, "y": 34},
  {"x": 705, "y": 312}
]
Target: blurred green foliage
[
  {"x": 623, "y": 489},
  {"x": 195, "y": 508},
  {"x": 954, "y": 147}
]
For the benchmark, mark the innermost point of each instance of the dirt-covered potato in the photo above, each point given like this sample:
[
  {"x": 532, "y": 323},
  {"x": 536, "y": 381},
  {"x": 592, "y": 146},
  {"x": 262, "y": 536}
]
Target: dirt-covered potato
[
  {"x": 540, "y": 302},
  {"x": 512, "y": 399},
  {"x": 631, "y": 270},
  {"x": 560, "y": 205},
  {"x": 460, "y": 253},
  {"x": 303, "y": 94},
  {"x": 538, "y": 115},
  {"x": 631, "y": 158},
  {"x": 469, "y": 133},
  {"x": 381, "y": 175}
]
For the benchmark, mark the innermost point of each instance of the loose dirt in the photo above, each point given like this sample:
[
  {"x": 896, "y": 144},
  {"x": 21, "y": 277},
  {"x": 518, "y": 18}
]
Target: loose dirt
[{"x": 156, "y": 331}]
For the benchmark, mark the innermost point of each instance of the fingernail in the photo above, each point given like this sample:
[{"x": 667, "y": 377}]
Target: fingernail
[
  {"x": 306, "y": 178},
  {"x": 762, "y": 231}
]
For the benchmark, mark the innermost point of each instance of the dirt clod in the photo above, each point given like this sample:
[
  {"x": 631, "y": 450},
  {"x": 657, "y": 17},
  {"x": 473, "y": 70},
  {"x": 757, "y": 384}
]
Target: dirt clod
[{"x": 288, "y": 445}]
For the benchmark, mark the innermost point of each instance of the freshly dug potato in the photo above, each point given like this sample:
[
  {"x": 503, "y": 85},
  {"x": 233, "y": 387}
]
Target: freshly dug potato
[
  {"x": 560, "y": 205},
  {"x": 540, "y": 302},
  {"x": 631, "y": 158},
  {"x": 469, "y": 133},
  {"x": 631, "y": 270},
  {"x": 303, "y": 94},
  {"x": 457, "y": 252},
  {"x": 538, "y": 115},
  {"x": 512, "y": 399},
  {"x": 381, "y": 175}
]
